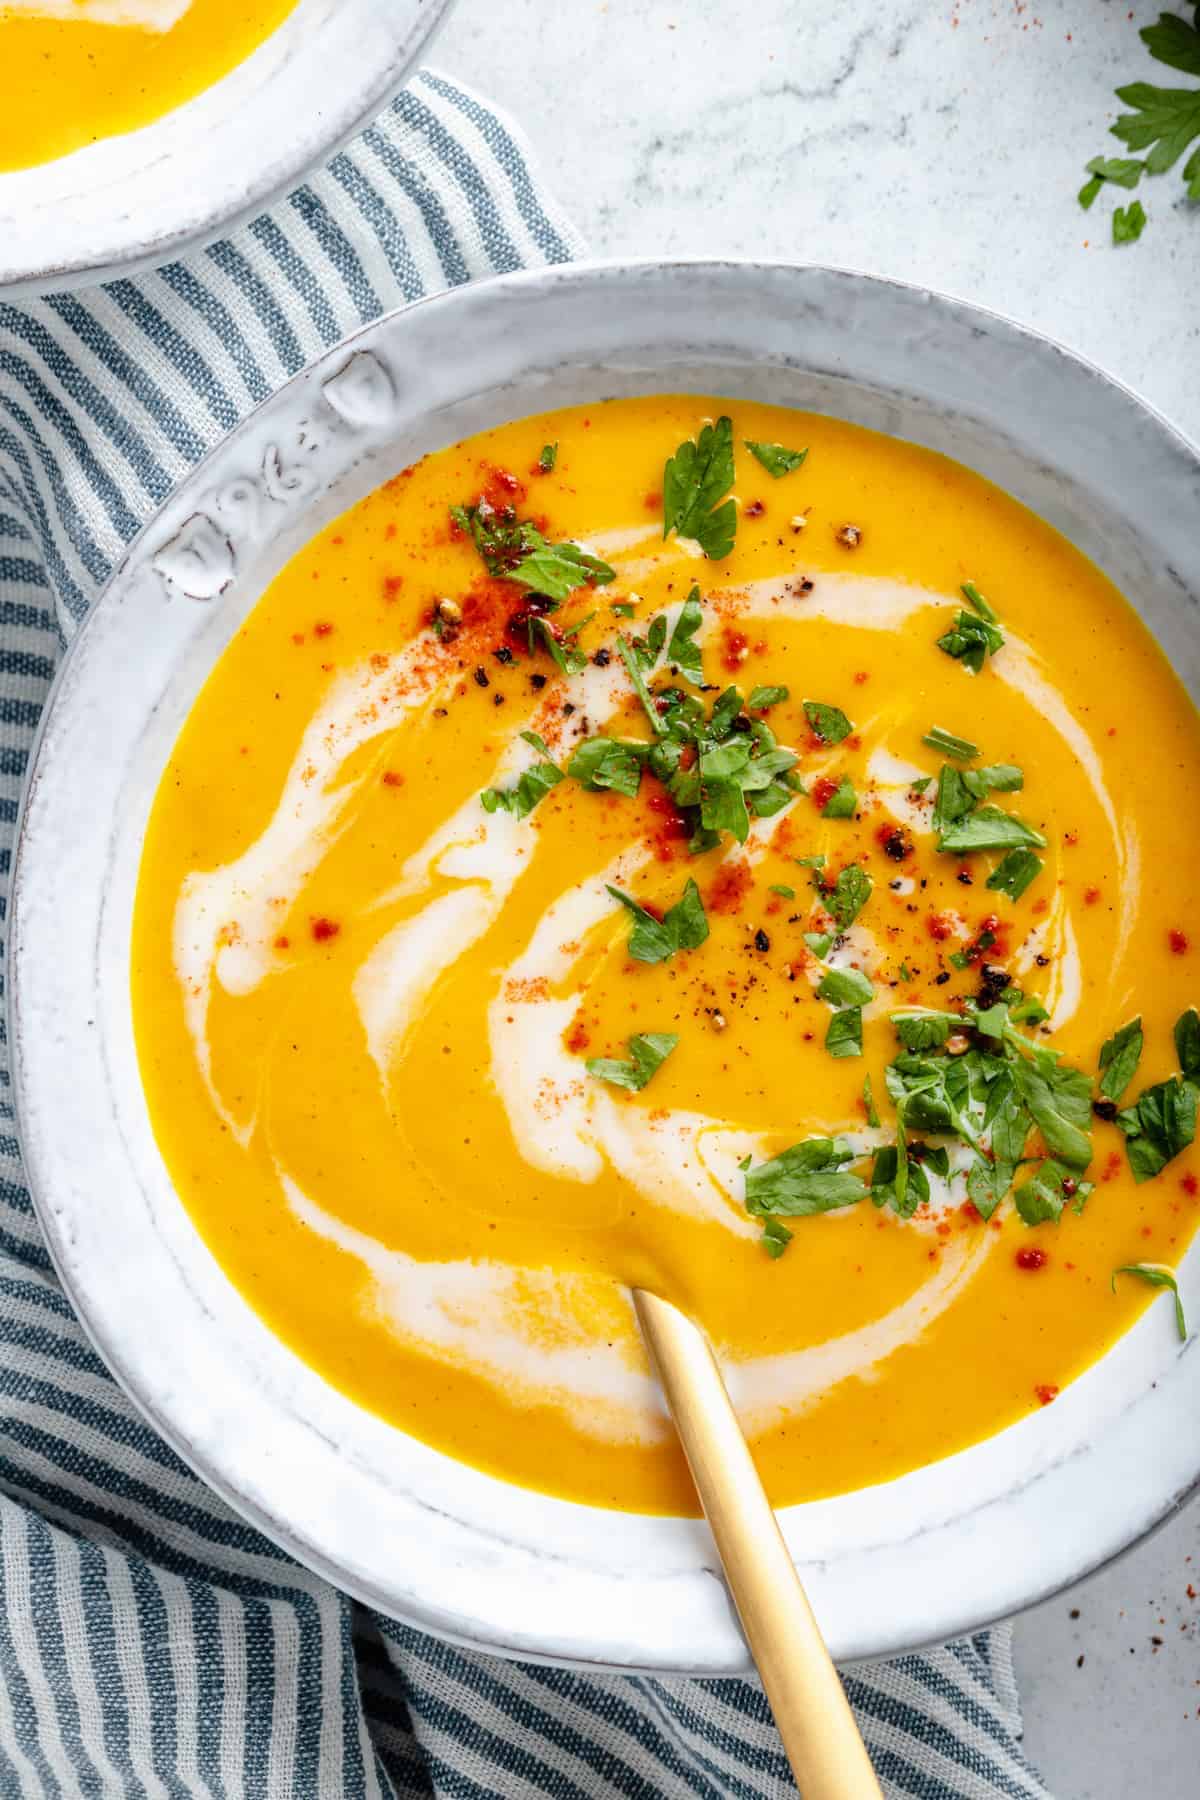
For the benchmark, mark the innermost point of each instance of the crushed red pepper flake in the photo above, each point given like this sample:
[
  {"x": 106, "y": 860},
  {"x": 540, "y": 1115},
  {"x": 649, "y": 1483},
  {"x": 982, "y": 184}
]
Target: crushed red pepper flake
[
  {"x": 323, "y": 929},
  {"x": 1178, "y": 942},
  {"x": 1046, "y": 1392},
  {"x": 1029, "y": 1257}
]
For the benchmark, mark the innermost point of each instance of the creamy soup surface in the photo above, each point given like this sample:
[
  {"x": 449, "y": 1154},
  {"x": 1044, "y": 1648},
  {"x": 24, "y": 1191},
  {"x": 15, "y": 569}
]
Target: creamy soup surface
[
  {"x": 774, "y": 971},
  {"x": 75, "y": 71}
]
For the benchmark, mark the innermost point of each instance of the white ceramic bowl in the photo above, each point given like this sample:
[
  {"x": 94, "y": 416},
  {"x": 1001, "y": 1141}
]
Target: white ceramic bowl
[
  {"x": 414, "y": 1533},
  {"x": 135, "y": 199}
]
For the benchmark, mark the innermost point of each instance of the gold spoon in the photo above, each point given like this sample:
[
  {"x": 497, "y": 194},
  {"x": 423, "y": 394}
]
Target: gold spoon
[{"x": 819, "y": 1732}]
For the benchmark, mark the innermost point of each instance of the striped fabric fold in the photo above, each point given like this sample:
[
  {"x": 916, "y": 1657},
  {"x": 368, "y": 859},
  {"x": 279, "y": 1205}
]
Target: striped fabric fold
[{"x": 151, "y": 1643}]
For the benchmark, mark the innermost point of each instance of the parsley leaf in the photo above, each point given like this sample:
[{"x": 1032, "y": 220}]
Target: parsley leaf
[
  {"x": 683, "y": 926},
  {"x": 845, "y": 987},
  {"x": 1119, "y": 1059},
  {"x": 919, "y": 1028},
  {"x": 682, "y": 650},
  {"x": 898, "y": 1178},
  {"x": 1160, "y": 1124},
  {"x": 604, "y": 762},
  {"x": 517, "y": 551},
  {"x": 694, "y": 481},
  {"x": 1164, "y": 122},
  {"x": 762, "y": 697},
  {"x": 828, "y": 722},
  {"x": 842, "y": 802},
  {"x": 775, "y": 1238},
  {"x": 848, "y": 895},
  {"x": 1158, "y": 1276},
  {"x": 1014, "y": 873},
  {"x": 869, "y": 1106},
  {"x": 781, "y": 888},
  {"x": 1129, "y": 222},
  {"x": 1123, "y": 171},
  {"x": 982, "y": 606},
  {"x": 843, "y": 1035},
  {"x": 961, "y": 749},
  {"x": 1060, "y": 1102},
  {"x": 548, "y": 458},
  {"x": 807, "y": 1178},
  {"x": 1174, "y": 42},
  {"x": 775, "y": 459},
  {"x": 989, "y": 828},
  {"x": 1041, "y": 1197},
  {"x": 1187, "y": 1043},
  {"x": 971, "y": 640},
  {"x": 648, "y": 1051},
  {"x": 569, "y": 659},
  {"x": 520, "y": 799},
  {"x": 629, "y": 657}
]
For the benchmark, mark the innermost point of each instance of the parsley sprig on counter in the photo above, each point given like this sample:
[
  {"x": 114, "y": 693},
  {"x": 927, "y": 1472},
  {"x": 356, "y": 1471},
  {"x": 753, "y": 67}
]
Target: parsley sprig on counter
[{"x": 1164, "y": 122}]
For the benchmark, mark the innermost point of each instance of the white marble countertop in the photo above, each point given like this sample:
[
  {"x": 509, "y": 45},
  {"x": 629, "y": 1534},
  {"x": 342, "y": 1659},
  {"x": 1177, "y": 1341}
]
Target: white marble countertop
[{"x": 943, "y": 142}]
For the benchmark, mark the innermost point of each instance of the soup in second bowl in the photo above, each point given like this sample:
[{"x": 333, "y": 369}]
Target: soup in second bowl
[
  {"x": 75, "y": 71},
  {"x": 683, "y": 843}
]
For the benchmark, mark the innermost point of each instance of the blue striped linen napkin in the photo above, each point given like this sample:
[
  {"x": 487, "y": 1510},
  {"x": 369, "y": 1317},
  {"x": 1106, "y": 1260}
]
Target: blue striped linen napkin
[{"x": 151, "y": 1643}]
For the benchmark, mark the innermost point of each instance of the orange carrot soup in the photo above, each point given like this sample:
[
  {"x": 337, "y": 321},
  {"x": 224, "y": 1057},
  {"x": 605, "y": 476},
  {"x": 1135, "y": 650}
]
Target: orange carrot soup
[
  {"x": 75, "y": 71},
  {"x": 696, "y": 845}
]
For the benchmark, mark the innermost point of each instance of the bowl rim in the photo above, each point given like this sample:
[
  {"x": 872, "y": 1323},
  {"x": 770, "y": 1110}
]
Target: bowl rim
[
  {"x": 118, "y": 247},
  {"x": 955, "y": 1617}
]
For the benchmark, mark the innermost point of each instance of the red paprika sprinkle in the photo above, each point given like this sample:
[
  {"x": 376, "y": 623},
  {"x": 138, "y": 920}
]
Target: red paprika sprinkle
[
  {"x": 823, "y": 791},
  {"x": 1090, "y": 896},
  {"x": 392, "y": 779},
  {"x": 1189, "y": 1184},
  {"x": 283, "y": 943},
  {"x": 322, "y": 628},
  {"x": 1030, "y": 1257},
  {"x": 324, "y": 929},
  {"x": 1178, "y": 942},
  {"x": 735, "y": 647},
  {"x": 1046, "y": 1392}
]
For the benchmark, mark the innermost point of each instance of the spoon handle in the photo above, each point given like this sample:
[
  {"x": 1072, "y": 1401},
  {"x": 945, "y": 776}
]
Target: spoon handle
[{"x": 819, "y": 1732}]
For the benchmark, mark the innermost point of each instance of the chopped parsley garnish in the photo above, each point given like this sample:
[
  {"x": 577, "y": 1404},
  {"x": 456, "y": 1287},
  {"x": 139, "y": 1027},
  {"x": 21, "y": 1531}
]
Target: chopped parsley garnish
[
  {"x": 1014, "y": 873},
  {"x": 845, "y": 899},
  {"x": 808, "y": 1178},
  {"x": 1157, "y": 1275},
  {"x": 843, "y": 1035},
  {"x": 829, "y": 723},
  {"x": 568, "y": 658},
  {"x": 776, "y": 1237},
  {"x": 1162, "y": 1121},
  {"x": 1046, "y": 1190},
  {"x": 869, "y": 1106},
  {"x": 603, "y": 762},
  {"x": 633, "y": 668},
  {"x": 1119, "y": 1059},
  {"x": 989, "y": 828},
  {"x": 1187, "y": 1043},
  {"x": 975, "y": 635},
  {"x": 530, "y": 787},
  {"x": 548, "y": 458},
  {"x": 683, "y": 926},
  {"x": 623, "y": 609},
  {"x": 842, "y": 802},
  {"x": 845, "y": 987},
  {"x": 781, "y": 888},
  {"x": 683, "y": 651},
  {"x": 775, "y": 459},
  {"x": 695, "y": 481},
  {"x": 1160, "y": 1125},
  {"x": 945, "y": 742},
  {"x": 515, "y": 550},
  {"x": 762, "y": 697},
  {"x": 648, "y": 1051}
]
